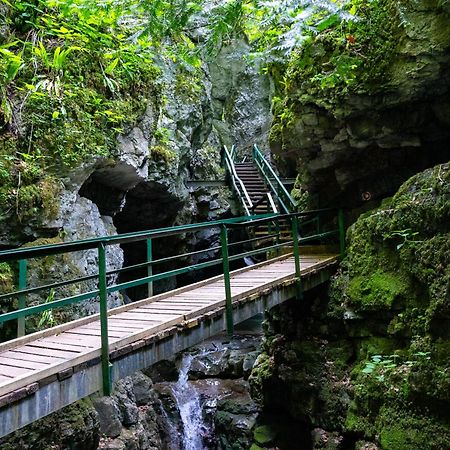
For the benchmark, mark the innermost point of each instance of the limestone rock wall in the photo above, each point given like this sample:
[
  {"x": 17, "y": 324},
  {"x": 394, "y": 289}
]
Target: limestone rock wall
[
  {"x": 355, "y": 132},
  {"x": 367, "y": 361}
]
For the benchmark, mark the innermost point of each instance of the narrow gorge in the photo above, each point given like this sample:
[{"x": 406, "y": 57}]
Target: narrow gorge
[{"x": 114, "y": 118}]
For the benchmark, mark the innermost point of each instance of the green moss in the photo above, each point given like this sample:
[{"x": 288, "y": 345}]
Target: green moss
[
  {"x": 376, "y": 345},
  {"x": 397, "y": 278},
  {"x": 163, "y": 153},
  {"x": 262, "y": 371},
  {"x": 188, "y": 84},
  {"x": 67, "y": 110},
  {"x": 6, "y": 278},
  {"x": 256, "y": 447},
  {"x": 378, "y": 291},
  {"x": 346, "y": 59},
  {"x": 264, "y": 434},
  {"x": 406, "y": 429}
]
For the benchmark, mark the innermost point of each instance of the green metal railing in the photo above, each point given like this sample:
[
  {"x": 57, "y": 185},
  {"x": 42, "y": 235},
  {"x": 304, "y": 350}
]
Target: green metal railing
[
  {"x": 286, "y": 202},
  {"x": 233, "y": 247}
]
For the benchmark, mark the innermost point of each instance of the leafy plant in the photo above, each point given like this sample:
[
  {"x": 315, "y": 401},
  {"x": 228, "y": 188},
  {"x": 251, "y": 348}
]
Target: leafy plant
[
  {"x": 47, "y": 319},
  {"x": 10, "y": 65},
  {"x": 406, "y": 235}
]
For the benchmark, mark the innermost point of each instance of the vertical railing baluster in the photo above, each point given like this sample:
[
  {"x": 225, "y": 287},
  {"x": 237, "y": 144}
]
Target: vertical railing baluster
[
  {"x": 278, "y": 237},
  {"x": 294, "y": 223},
  {"x": 102, "y": 285},
  {"x": 341, "y": 226},
  {"x": 22, "y": 298},
  {"x": 226, "y": 278},
  {"x": 149, "y": 267}
]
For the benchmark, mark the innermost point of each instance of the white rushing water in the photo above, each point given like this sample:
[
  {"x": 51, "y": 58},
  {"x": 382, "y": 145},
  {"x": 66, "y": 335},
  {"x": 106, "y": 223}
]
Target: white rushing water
[{"x": 189, "y": 405}]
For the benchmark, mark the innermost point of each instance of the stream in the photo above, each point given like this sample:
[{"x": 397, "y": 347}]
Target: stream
[
  {"x": 209, "y": 405},
  {"x": 189, "y": 405}
]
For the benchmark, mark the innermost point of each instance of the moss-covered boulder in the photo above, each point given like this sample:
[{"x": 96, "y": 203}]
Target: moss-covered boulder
[{"x": 397, "y": 273}]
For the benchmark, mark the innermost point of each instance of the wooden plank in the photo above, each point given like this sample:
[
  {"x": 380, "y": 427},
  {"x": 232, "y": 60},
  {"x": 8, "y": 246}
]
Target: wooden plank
[
  {"x": 83, "y": 357},
  {"x": 142, "y": 314},
  {"x": 56, "y": 343},
  {"x": 84, "y": 345},
  {"x": 10, "y": 371},
  {"x": 175, "y": 301},
  {"x": 21, "y": 363},
  {"x": 188, "y": 303},
  {"x": 113, "y": 327},
  {"x": 88, "y": 332},
  {"x": 5, "y": 379},
  {"x": 142, "y": 320},
  {"x": 148, "y": 317},
  {"x": 29, "y": 357},
  {"x": 36, "y": 350},
  {"x": 68, "y": 343},
  {"x": 136, "y": 324},
  {"x": 162, "y": 308},
  {"x": 97, "y": 327}
]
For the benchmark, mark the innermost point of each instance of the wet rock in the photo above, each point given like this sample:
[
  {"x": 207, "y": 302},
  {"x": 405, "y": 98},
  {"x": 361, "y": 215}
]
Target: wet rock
[
  {"x": 322, "y": 439},
  {"x": 248, "y": 363},
  {"x": 126, "y": 401},
  {"x": 142, "y": 389},
  {"x": 74, "y": 427},
  {"x": 242, "y": 96},
  {"x": 108, "y": 416}
]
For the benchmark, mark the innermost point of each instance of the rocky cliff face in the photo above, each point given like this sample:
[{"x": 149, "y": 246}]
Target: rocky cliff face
[
  {"x": 364, "y": 107},
  {"x": 368, "y": 361},
  {"x": 174, "y": 134}
]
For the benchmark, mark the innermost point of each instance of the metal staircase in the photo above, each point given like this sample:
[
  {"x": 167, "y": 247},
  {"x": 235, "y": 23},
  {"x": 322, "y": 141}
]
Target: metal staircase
[
  {"x": 257, "y": 186},
  {"x": 260, "y": 191}
]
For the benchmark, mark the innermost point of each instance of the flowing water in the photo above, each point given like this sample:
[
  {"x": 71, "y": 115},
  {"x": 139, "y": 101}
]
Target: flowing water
[{"x": 189, "y": 404}]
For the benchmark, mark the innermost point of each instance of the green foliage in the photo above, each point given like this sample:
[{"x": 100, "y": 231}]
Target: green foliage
[
  {"x": 225, "y": 23},
  {"x": 6, "y": 278},
  {"x": 163, "y": 153},
  {"x": 47, "y": 319}
]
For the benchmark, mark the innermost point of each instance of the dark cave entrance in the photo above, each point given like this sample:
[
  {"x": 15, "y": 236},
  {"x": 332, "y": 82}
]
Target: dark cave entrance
[{"x": 137, "y": 205}]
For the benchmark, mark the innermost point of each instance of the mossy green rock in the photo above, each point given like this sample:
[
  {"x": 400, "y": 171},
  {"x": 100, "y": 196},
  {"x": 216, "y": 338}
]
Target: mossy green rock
[
  {"x": 264, "y": 434},
  {"x": 256, "y": 447},
  {"x": 397, "y": 273}
]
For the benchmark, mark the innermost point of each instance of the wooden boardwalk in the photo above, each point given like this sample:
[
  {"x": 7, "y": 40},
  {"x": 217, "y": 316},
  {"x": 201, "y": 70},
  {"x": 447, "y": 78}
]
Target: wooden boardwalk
[{"x": 36, "y": 357}]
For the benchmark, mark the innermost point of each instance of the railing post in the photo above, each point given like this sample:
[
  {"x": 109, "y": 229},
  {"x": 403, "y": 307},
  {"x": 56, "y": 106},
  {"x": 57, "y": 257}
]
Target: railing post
[
  {"x": 149, "y": 267},
  {"x": 341, "y": 225},
  {"x": 226, "y": 279},
  {"x": 22, "y": 298},
  {"x": 278, "y": 238},
  {"x": 102, "y": 285},
  {"x": 294, "y": 222}
]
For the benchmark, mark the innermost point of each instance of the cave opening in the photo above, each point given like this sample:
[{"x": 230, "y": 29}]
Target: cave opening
[{"x": 136, "y": 204}]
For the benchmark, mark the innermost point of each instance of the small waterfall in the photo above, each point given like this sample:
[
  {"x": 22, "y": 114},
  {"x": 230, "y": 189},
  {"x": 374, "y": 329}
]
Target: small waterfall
[{"x": 189, "y": 405}]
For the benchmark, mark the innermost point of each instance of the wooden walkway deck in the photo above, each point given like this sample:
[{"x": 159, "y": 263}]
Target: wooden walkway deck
[{"x": 35, "y": 357}]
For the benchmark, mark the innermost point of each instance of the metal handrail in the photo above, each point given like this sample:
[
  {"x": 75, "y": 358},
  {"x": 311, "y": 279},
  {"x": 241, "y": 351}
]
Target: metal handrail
[
  {"x": 278, "y": 189},
  {"x": 103, "y": 288},
  {"x": 237, "y": 181},
  {"x": 272, "y": 203}
]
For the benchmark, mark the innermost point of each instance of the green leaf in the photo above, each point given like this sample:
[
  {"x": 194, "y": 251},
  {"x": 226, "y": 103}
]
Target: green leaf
[
  {"x": 329, "y": 22},
  {"x": 110, "y": 67}
]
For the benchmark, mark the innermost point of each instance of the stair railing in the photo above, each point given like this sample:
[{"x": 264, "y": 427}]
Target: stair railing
[
  {"x": 236, "y": 182},
  {"x": 285, "y": 200}
]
